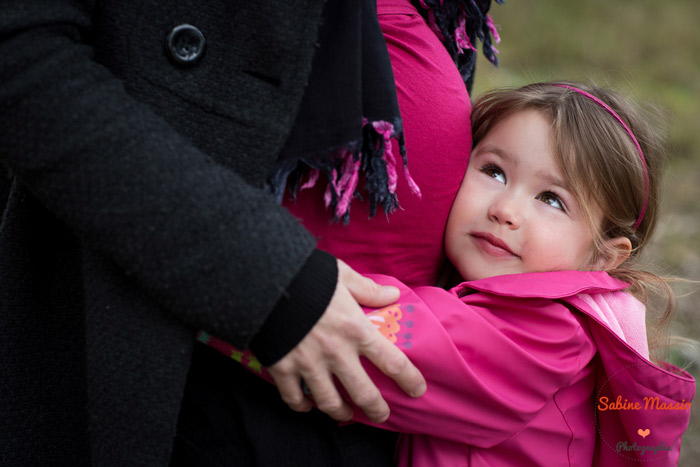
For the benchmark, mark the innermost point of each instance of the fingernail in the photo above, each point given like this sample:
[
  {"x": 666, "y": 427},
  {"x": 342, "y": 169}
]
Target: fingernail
[
  {"x": 391, "y": 290},
  {"x": 383, "y": 418},
  {"x": 346, "y": 418},
  {"x": 419, "y": 390}
]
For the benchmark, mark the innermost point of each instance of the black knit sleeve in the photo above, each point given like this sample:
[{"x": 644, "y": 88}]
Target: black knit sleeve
[
  {"x": 298, "y": 309},
  {"x": 191, "y": 230}
]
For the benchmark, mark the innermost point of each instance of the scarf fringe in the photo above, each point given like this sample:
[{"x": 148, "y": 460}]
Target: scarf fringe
[
  {"x": 372, "y": 157},
  {"x": 459, "y": 24}
]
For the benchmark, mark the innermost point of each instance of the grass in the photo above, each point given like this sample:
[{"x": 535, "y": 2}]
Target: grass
[{"x": 647, "y": 49}]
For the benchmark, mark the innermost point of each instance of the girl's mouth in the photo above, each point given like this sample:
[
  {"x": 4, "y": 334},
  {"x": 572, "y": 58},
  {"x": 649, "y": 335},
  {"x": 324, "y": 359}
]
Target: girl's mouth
[{"x": 492, "y": 245}]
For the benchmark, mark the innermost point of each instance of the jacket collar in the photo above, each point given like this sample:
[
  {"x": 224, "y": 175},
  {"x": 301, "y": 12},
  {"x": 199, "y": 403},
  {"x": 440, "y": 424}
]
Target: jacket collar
[{"x": 552, "y": 285}]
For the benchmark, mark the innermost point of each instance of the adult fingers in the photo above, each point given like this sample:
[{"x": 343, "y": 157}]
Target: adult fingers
[
  {"x": 388, "y": 358},
  {"x": 363, "y": 392},
  {"x": 395, "y": 364},
  {"x": 290, "y": 390},
  {"x": 327, "y": 397},
  {"x": 364, "y": 290}
]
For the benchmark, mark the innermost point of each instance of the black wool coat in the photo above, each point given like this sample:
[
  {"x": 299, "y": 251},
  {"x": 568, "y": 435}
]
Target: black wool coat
[{"x": 136, "y": 213}]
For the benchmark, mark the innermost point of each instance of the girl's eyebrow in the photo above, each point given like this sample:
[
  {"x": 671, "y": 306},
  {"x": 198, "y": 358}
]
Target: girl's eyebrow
[
  {"x": 500, "y": 152},
  {"x": 552, "y": 179},
  {"x": 545, "y": 175}
]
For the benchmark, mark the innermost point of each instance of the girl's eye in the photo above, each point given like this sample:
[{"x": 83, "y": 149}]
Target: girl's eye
[
  {"x": 551, "y": 199},
  {"x": 494, "y": 172}
]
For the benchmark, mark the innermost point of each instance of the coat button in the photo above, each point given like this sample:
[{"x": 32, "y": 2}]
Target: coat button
[{"x": 185, "y": 44}]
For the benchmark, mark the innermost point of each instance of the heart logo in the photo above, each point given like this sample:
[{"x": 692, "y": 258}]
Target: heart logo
[{"x": 644, "y": 433}]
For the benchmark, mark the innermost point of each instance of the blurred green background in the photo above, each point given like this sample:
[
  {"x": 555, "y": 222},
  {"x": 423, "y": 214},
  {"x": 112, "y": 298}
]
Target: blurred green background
[{"x": 649, "y": 49}]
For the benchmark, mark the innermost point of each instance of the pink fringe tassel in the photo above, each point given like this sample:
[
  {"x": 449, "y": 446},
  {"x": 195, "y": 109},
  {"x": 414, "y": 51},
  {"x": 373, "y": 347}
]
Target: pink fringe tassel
[
  {"x": 347, "y": 184},
  {"x": 313, "y": 178},
  {"x": 494, "y": 32},
  {"x": 386, "y": 129},
  {"x": 328, "y": 196},
  {"x": 411, "y": 183},
  {"x": 461, "y": 37}
]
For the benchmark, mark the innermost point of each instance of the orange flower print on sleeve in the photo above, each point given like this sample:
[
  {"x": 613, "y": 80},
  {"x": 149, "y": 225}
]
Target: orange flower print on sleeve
[{"x": 387, "y": 321}]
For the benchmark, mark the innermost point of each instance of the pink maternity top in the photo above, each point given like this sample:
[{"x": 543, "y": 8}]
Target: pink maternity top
[{"x": 435, "y": 107}]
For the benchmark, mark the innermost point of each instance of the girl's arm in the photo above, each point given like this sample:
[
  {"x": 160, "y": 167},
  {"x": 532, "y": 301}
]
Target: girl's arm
[{"x": 491, "y": 363}]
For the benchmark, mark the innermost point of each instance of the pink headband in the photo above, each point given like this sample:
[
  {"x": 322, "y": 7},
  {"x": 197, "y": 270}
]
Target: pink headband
[{"x": 634, "y": 140}]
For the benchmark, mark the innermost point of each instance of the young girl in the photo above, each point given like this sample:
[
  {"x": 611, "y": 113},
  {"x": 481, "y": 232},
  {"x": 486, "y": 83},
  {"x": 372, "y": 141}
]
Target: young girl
[{"x": 541, "y": 356}]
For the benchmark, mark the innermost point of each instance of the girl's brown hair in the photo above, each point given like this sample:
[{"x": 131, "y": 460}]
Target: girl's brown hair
[{"x": 603, "y": 169}]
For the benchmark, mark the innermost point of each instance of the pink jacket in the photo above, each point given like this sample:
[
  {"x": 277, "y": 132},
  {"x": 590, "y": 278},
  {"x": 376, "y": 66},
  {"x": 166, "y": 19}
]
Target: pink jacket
[{"x": 529, "y": 369}]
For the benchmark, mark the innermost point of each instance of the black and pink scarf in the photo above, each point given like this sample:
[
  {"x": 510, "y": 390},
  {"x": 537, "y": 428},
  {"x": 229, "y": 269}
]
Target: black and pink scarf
[{"x": 349, "y": 113}]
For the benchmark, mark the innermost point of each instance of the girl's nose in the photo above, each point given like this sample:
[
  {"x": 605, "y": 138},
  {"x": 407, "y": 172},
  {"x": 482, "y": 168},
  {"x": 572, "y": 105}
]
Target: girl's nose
[{"x": 506, "y": 210}]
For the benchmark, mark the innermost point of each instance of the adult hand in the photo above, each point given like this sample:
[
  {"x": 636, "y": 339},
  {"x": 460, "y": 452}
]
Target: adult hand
[{"x": 333, "y": 348}]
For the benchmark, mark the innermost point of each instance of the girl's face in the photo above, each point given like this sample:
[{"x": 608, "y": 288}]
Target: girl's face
[{"x": 514, "y": 212}]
